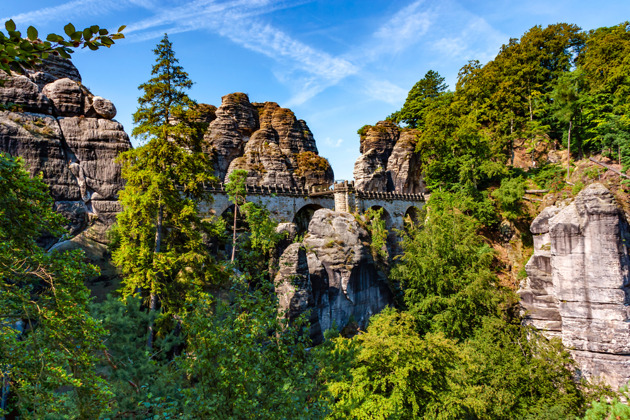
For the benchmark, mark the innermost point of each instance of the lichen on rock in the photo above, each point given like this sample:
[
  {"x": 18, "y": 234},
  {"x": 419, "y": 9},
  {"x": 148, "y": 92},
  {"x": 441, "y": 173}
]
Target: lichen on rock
[{"x": 267, "y": 141}]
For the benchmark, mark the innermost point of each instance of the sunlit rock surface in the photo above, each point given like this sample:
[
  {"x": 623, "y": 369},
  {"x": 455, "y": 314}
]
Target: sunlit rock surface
[
  {"x": 267, "y": 141},
  {"x": 332, "y": 274},
  {"x": 67, "y": 134},
  {"x": 578, "y": 282},
  {"x": 388, "y": 162}
]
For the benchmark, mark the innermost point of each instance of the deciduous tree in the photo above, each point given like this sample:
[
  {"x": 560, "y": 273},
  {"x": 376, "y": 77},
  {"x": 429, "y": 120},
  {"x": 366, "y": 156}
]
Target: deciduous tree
[{"x": 47, "y": 337}]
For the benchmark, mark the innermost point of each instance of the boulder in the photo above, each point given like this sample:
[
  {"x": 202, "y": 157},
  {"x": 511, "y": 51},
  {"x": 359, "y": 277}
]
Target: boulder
[
  {"x": 388, "y": 162},
  {"x": 104, "y": 107},
  {"x": 578, "y": 285},
  {"x": 65, "y": 133},
  {"x": 332, "y": 274},
  {"x": 66, "y": 96},
  {"x": 22, "y": 94},
  {"x": 267, "y": 141}
]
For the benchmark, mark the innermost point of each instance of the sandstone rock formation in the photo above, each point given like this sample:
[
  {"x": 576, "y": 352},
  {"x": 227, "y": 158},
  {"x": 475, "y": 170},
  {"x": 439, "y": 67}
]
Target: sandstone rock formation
[
  {"x": 67, "y": 134},
  {"x": 579, "y": 282},
  {"x": 332, "y": 274},
  {"x": 388, "y": 162},
  {"x": 267, "y": 141}
]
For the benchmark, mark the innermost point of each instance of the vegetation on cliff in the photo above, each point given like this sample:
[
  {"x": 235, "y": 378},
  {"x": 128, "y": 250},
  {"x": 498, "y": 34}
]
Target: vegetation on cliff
[{"x": 192, "y": 335}]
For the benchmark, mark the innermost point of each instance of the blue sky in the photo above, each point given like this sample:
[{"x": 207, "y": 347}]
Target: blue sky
[{"x": 337, "y": 64}]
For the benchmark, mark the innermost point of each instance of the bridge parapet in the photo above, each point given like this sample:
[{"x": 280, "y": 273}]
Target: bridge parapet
[
  {"x": 389, "y": 196},
  {"x": 264, "y": 190}
]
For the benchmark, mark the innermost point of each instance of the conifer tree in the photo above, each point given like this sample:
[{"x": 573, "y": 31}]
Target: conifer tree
[{"x": 161, "y": 250}]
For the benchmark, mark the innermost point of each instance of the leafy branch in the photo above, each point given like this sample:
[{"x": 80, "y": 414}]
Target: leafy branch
[{"x": 18, "y": 54}]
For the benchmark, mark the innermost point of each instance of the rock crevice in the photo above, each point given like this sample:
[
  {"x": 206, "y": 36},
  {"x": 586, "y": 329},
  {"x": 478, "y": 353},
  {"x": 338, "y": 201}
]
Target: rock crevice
[
  {"x": 67, "y": 134},
  {"x": 578, "y": 284},
  {"x": 267, "y": 141}
]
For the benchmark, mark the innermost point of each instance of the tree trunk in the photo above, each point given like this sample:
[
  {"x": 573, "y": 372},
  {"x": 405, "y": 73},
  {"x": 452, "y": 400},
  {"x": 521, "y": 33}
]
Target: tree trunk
[
  {"x": 512, "y": 141},
  {"x": 152, "y": 296},
  {"x": 234, "y": 232},
  {"x": 152, "y": 309},
  {"x": 569, "y": 149}
]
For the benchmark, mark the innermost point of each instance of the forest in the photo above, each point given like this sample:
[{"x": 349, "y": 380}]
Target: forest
[{"x": 192, "y": 333}]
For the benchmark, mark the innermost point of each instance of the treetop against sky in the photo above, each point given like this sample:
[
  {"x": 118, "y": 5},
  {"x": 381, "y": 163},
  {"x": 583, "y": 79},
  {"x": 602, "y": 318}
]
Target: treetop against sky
[{"x": 337, "y": 64}]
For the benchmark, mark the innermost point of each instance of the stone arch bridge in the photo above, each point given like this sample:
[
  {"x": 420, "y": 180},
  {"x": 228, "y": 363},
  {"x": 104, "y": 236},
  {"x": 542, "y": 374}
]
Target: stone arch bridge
[{"x": 297, "y": 205}]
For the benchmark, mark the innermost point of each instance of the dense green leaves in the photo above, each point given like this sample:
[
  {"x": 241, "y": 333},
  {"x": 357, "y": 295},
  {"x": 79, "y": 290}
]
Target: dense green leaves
[
  {"x": 161, "y": 249},
  {"x": 419, "y": 99},
  {"x": 245, "y": 362},
  {"x": 48, "y": 339},
  {"x": 445, "y": 271},
  {"x": 390, "y": 371}
]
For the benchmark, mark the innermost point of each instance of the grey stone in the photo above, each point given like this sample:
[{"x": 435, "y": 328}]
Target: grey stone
[
  {"x": 579, "y": 281},
  {"x": 104, "y": 107},
  {"x": 66, "y": 96},
  {"x": 332, "y": 274},
  {"x": 388, "y": 161},
  {"x": 74, "y": 153}
]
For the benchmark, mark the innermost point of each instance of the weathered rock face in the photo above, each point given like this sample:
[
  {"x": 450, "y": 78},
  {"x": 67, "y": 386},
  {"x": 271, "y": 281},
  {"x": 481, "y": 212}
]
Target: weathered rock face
[
  {"x": 268, "y": 142},
  {"x": 578, "y": 285},
  {"x": 67, "y": 134},
  {"x": 333, "y": 274},
  {"x": 388, "y": 162}
]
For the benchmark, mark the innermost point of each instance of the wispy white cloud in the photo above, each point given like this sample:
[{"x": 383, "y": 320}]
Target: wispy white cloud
[
  {"x": 333, "y": 143},
  {"x": 385, "y": 91},
  {"x": 476, "y": 40},
  {"x": 72, "y": 9},
  {"x": 306, "y": 69},
  {"x": 405, "y": 28}
]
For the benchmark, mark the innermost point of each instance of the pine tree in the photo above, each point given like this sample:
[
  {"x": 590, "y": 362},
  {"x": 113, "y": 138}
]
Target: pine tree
[
  {"x": 161, "y": 251},
  {"x": 420, "y": 96}
]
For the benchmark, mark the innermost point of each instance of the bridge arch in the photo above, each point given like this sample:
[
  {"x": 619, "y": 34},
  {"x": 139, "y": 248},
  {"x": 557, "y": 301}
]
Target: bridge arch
[
  {"x": 412, "y": 216},
  {"x": 386, "y": 216},
  {"x": 304, "y": 215}
]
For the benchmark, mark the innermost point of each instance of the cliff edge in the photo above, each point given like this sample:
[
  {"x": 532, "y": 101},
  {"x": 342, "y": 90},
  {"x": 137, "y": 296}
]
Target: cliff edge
[{"x": 578, "y": 284}]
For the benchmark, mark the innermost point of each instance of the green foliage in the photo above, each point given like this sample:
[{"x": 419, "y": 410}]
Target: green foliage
[
  {"x": 454, "y": 149},
  {"x": 235, "y": 187},
  {"x": 445, "y": 271},
  {"x": 418, "y": 100},
  {"x": 512, "y": 371},
  {"x": 17, "y": 53},
  {"x": 389, "y": 371},
  {"x": 245, "y": 362},
  {"x": 48, "y": 339},
  {"x": 550, "y": 176},
  {"x": 509, "y": 197},
  {"x": 258, "y": 245},
  {"x": 363, "y": 130},
  {"x": 610, "y": 409},
  {"x": 138, "y": 377},
  {"x": 577, "y": 187},
  {"x": 378, "y": 234},
  {"x": 262, "y": 235},
  {"x": 161, "y": 247}
]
